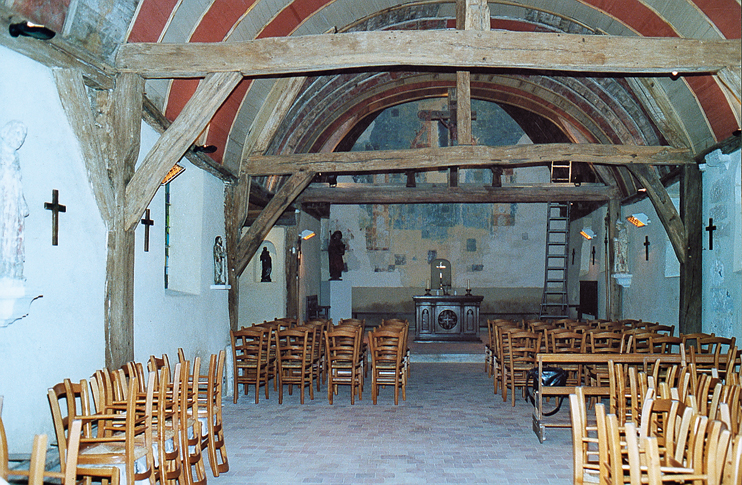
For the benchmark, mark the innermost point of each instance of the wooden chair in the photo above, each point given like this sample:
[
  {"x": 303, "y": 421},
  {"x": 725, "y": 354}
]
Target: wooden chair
[
  {"x": 250, "y": 358},
  {"x": 584, "y": 457},
  {"x": 666, "y": 330},
  {"x": 123, "y": 436},
  {"x": 210, "y": 414},
  {"x": 166, "y": 425},
  {"x": 733, "y": 465},
  {"x": 345, "y": 367},
  {"x": 294, "y": 353},
  {"x": 387, "y": 353},
  {"x": 566, "y": 341},
  {"x": 521, "y": 348},
  {"x": 36, "y": 472},
  {"x": 501, "y": 327},
  {"x": 317, "y": 347},
  {"x": 404, "y": 327},
  {"x": 62, "y": 422}
]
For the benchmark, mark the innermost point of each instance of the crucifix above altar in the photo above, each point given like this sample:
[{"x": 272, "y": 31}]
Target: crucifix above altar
[{"x": 440, "y": 275}]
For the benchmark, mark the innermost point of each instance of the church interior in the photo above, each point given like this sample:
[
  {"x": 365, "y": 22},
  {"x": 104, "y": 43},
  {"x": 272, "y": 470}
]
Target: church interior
[{"x": 173, "y": 170}]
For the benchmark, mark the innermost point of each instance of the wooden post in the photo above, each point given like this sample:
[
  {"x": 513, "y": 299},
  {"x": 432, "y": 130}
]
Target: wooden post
[
  {"x": 126, "y": 118},
  {"x": 691, "y": 271},
  {"x": 614, "y": 306},
  {"x": 292, "y": 271},
  {"x": 236, "y": 199}
]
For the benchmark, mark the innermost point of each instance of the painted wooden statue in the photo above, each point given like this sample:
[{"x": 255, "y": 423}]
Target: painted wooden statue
[
  {"x": 12, "y": 203},
  {"x": 336, "y": 250}
]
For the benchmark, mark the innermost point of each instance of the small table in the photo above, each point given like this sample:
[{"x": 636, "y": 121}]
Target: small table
[{"x": 447, "y": 317}]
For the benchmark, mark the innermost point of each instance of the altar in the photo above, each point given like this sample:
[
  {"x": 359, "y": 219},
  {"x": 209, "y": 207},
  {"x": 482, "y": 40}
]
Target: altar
[{"x": 447, "y": 317}]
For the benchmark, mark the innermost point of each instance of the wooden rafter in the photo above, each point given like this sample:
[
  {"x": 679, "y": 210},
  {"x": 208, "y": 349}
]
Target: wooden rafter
[
  {"x": 371, "y": 194},
  {"x": 664, "y": 207},
  {"x": 448, "y": 49},
  {"x": 471, "y": 156},
  {"x": 253, "y": 238},
  {"x": 76, "y": 104},
  {"x": 171, "y": 146}
]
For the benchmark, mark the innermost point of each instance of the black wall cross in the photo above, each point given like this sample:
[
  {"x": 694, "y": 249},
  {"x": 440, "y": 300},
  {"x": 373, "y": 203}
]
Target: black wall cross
[
  {"x": 646, "y": 248},
  {"x": 147, "y": 222},
  {"x": 56, "y": 208},
  {"x": 711, "y": 228}
]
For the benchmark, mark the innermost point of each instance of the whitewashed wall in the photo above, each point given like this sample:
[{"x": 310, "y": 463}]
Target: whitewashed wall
[
  {"x": 63, "y": 333},
  {"x": 190, "y": 314},
  {"x": 655, "y": 287},
  {"x": 722, "y": 265},
  {"x": 63, "y": 336}
]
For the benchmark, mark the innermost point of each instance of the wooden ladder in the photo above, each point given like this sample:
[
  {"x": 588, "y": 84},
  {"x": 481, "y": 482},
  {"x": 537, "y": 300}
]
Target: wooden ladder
[{"x": 554, "y": 301}]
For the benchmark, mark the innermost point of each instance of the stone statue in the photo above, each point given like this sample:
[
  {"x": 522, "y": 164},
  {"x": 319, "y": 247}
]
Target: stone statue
[
  {"x": 620, "y": 263},
  {"x": 12, "y": 203},
  {"x": 220, "y": 259},
  {"x": 265, "y": 259},
  {"x": 335, "y": 250}
]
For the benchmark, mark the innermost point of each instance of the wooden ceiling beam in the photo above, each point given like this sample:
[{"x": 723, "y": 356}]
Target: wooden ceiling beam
[
  {"x": 447, "y": 49},
  {"x": 465, "y": 156},
  {"x": 469, "y": 194},
  {"x": 173, "y": 144},
  {"x": 56, "y": 52}
]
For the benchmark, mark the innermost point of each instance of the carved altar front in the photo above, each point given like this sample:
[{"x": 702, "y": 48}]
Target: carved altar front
[{"x": 447, "y": 317}]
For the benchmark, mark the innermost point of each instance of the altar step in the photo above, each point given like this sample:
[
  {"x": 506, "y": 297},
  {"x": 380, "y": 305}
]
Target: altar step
[{"x": 460, "y": 352}]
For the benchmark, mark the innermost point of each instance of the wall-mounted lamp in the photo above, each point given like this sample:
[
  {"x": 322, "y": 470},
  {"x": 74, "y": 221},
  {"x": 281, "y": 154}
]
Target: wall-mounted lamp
[
  {"x": 204, "y": 148},
  {"x": 174, "y": 172},
  {"x": 587, "y": 233},
  {"x": 639, "y": 219},
  {"x": 306, "y": 234},
  {"x": 28, "y": 29}
]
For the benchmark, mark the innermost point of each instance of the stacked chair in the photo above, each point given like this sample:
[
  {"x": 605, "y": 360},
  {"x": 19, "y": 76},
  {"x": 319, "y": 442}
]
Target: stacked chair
[
  {"x": 143, "y": 427},
  {"x": 685, "y": 429}
]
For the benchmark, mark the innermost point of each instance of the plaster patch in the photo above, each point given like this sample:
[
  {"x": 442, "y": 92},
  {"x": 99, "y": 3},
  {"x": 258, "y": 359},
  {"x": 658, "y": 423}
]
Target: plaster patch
[
  {"x": 722, "y": 310},
  {"x": 717, "y": 273}
]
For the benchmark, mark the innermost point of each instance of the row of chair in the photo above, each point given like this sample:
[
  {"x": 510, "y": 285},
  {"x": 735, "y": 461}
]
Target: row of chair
[
  {"x": 512, "y": 348},
  {"x": 145, "y": 425},
  {"x": 318, "y": 351}
]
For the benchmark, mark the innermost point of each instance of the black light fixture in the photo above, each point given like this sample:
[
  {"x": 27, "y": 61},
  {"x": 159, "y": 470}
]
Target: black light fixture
[
  {"x": 204, "y": 148},
  {"x": 29, "y": 29}
]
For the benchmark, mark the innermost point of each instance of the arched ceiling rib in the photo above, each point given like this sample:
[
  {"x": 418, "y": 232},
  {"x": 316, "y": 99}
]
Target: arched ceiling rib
[{"x": 603, "y": 109}]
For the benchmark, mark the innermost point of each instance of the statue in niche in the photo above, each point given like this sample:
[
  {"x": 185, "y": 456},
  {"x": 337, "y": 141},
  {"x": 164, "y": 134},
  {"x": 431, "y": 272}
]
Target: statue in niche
[
  {"x": 12, "y": 203},
  {"x": 265, "y": 259},
  {"x": 220, "y": 260},
  {"x": 335, "y": 250},
  {"x": 620, "y": 263}
]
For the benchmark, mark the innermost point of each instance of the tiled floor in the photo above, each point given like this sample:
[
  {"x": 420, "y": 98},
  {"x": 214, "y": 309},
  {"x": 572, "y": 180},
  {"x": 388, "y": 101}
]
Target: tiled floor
[{"x": 451, "y": 429}]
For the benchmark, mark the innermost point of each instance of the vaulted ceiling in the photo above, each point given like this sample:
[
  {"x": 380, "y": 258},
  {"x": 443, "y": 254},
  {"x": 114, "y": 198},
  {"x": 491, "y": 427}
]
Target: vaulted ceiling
[{"x": 693, "y": 111}]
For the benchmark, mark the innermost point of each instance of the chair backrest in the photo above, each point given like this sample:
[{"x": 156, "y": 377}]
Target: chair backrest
[
  {"x": 521, "y": 346},
  {"x": 294, "y": 346},
  {"x": 604, "y": 342},
  {"x": 387, "y": 347},
  {"x": 343, "y": 344},
  {"x": 250, "y": 345},
  {"x": 566, "y": 341}
]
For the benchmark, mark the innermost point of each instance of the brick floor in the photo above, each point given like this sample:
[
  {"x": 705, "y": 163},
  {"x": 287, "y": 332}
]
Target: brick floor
[{"x": 451, "y": 429}]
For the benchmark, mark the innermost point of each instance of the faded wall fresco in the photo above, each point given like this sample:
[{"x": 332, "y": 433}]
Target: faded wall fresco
[{"x": 492, "y": 245}]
